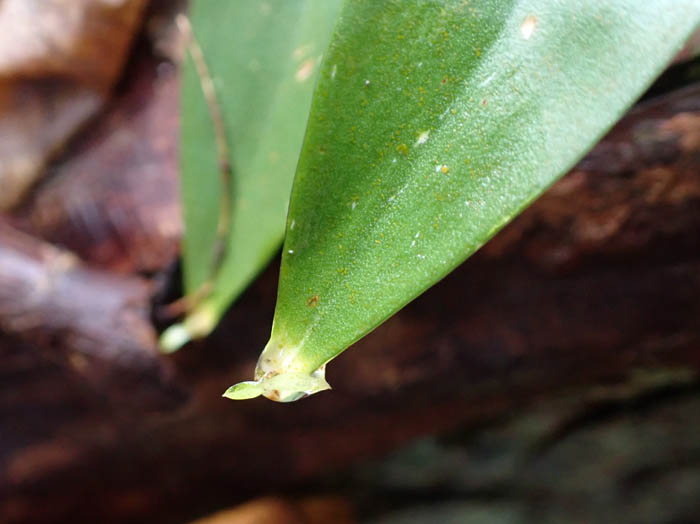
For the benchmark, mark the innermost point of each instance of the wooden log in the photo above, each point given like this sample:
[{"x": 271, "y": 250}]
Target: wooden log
[
  {"x": 597, "y": 280},
  {"x": 94, "y": 323}
]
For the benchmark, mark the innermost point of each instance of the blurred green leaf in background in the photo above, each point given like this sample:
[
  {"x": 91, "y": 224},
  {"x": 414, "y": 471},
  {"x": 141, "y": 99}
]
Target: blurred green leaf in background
[{"x": 263, "y": 58}]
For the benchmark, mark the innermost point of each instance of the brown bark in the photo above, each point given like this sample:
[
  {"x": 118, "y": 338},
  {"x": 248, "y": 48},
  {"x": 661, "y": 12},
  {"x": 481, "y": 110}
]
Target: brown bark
[
  {"x": 96, "y": 324},
  {"x": 114, "y": 199},
  {"x": 598, "y": 280},
  {"x": 59, "y": 62}
]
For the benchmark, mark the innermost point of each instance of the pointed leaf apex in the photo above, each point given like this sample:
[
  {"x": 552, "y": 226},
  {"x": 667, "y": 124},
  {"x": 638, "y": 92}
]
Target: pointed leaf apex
[
  {"x": 282, "y": 375},
  {"x": 244, "y": 390}
]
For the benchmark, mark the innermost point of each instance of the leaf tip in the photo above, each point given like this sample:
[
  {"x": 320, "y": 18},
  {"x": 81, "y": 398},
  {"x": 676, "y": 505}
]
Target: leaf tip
[
  {"x": 284, "y": 387},
  {"x": 281, "y": 375},
  {"x": 173, "y": 338},
  {"x": 199, "y": 323}
]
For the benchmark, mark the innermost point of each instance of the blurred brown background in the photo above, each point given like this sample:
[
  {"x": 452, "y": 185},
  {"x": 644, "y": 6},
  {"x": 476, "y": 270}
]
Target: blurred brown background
[{"x": 552, "y": 378}]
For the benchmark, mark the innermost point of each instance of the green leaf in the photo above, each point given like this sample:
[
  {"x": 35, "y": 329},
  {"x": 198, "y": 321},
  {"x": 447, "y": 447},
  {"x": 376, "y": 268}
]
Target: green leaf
[
  {"x": 435, "y": 123},
  {"x": 263, "y": 57}
]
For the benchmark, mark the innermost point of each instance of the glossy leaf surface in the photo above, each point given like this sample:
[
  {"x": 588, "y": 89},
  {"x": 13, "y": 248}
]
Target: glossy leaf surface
[{"x": 433, "y": 125}]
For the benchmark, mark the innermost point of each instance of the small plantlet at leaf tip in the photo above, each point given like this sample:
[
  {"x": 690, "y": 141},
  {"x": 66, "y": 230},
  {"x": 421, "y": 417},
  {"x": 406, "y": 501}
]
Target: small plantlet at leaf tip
[
  {"x": 281, "y": 376},
  {"x": 244, "y": 391}
]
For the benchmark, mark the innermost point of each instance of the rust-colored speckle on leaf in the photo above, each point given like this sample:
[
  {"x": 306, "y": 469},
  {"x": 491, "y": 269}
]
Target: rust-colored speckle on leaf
[
  {"x": 274, "y": 395},
  {"x": 312, "y": 301}
]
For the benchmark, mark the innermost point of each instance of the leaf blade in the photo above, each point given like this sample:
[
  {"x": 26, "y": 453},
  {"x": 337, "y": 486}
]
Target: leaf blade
[{"x": 433, "y": 125}]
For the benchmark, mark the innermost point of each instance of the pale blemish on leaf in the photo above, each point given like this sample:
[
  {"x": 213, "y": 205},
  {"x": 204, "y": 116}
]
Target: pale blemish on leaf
[
  {"x": 301, "y": 51},
  {"x": 488, "y": 80},
  {"x": 422, "y": 138},
  {"x": 527, "y": 28},
  {"x": 305, "y": 70}
]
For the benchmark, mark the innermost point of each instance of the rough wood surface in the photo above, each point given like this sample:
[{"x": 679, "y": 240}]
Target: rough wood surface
[
  {"x": 598, "y": 280},
  {"x": 96, "y": 324},
  {"x": 59, "y": 61},
  {"x": 114, "y": 200}
]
